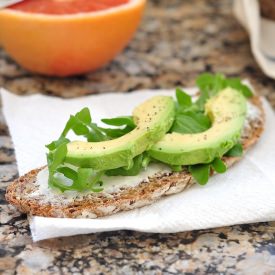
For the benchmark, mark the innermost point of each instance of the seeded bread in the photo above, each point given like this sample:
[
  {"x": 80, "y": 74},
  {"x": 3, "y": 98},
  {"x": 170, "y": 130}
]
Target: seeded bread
[{"x": 23, "y": 192}]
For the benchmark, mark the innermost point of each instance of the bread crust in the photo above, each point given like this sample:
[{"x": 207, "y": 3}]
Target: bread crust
[{"x": 98, "y": 205}]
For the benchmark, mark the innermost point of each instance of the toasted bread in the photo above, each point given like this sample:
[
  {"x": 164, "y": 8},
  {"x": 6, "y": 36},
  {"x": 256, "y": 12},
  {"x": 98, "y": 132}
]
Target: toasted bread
[{"x": 24, "y": 192}]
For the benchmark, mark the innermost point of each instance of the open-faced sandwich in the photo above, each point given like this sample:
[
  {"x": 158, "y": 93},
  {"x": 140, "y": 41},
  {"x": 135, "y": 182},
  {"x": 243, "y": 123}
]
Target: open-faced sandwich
[{"x": 163, "y": 148}]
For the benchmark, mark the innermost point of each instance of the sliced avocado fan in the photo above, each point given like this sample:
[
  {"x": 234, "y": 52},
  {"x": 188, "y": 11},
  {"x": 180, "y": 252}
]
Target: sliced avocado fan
[
  {"x": 227, "y": 111},
  {"x": 153, "y": 119}
]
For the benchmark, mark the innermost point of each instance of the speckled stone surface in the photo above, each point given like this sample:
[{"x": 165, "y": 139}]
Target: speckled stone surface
[{"x": 177, "y": 40}]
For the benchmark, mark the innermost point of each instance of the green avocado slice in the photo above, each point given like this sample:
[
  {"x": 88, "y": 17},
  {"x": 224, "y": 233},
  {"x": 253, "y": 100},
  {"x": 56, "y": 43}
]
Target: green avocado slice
[
  {"x": 227, "y": 112},
  {"x": 153, "y": 119}
]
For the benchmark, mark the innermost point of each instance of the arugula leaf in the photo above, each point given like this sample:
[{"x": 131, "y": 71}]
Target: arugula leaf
[
  {"x": 200, "y": 102},
  {"x": 54, "y": 144},
  {"x": 81, "y": 124},
  {"x": 120, "y": 121},
  {"x": 70, "y": 123},
  {"x": 139, "y": 162},
  {"x": 235, "y": 151},
  {"x": 83, "y": 179},
  {"x": 57, "y": 157},
  {"x": 115, "y": 133},
  {"x": 84, "y": 116},
  {"x": 184, "y": 100},
  {"x": 210, "y": 85},
  {"x": 68, "y": 172},
  {"x": 126, "y": 121},
  {"x": 73, "y": 124},
  {"x": 190, "y": 122},
  {"x": 80, "y": 130},
  {"x": 218, "y": 165},
  {"x": 189, "y": 118},
  {"x": 87, "y": 178},
  {"x": 96, "y": 134},
  {"x": 200, "y": 172},
  {"x": 126, "y": 171},
  {"x": 58, "y": 183},
  {"x": 194, "y": 121},
  {"x": 78, "y": 122},
  {"x": 236, "y": 84}
]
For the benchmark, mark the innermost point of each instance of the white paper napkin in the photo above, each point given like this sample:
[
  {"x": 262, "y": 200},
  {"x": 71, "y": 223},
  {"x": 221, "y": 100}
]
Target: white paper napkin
[
  {"x": 244, "y": 194},
  {"x": 261, "y": 32}
]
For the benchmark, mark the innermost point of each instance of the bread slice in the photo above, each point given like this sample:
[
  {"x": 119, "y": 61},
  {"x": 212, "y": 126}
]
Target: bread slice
[{"x": 24, "y": 192}]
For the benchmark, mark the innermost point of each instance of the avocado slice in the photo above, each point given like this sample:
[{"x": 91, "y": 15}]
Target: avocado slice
[
  {"x": 153, "y": 119},
  {"x": 227, "y": 112}
]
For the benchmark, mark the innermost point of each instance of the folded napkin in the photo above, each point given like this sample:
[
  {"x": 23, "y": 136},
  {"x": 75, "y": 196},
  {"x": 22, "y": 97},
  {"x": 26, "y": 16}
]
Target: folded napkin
[
  {"x": 261, "y": 32},
  {"x": 244, "y": 194}
]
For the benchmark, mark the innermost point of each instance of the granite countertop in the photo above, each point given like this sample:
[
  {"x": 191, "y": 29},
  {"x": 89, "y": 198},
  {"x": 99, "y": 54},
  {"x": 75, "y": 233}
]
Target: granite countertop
[{"x": 177, "y": 40}]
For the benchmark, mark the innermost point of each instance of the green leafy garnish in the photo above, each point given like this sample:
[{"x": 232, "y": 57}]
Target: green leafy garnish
[
  {"x": 126, "y": 121},
  {"x": 96, "y": 134},
  {"x": 78, "y": 123},
  {"x": 81, "y": 180},
  {"x": 81, "y": 124},
  {"x": 55, "y": 144},
  {"x": 201, "y": 172},
  {"x": 236, "y": 84},
  {"x": 139, "y": 162},
  {"x": 218, "y": 165},
  {"x": 120, "y": 121},
  {"x": 184, "y": 100},
  {"x": 189, "y": 119},
  {"x": 68, "y": 172},
  {"x": 56, "y": 157},
  {"x": 210, "y": 85},
  {"x": 235, "y": 151},
  {"x": 190, "y": 122},
  {"x": 88, "y": 179}
]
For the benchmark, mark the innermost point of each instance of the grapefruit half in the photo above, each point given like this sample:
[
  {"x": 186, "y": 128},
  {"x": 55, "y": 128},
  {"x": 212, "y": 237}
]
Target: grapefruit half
[{"x": 68, "y": 37}]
